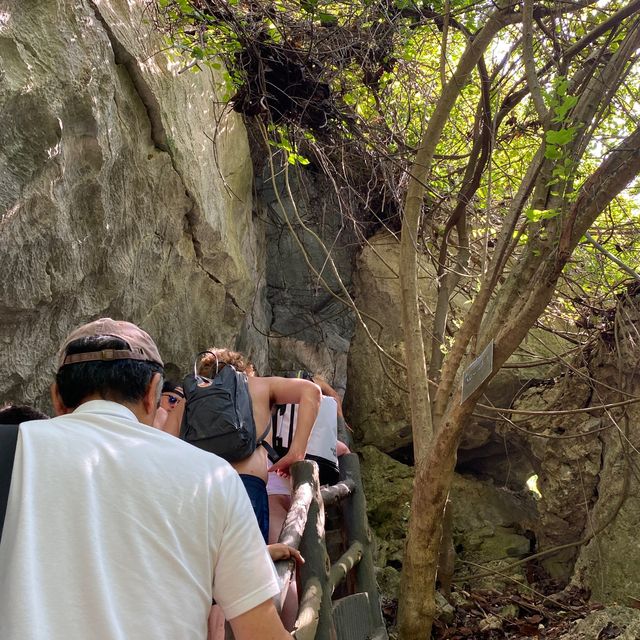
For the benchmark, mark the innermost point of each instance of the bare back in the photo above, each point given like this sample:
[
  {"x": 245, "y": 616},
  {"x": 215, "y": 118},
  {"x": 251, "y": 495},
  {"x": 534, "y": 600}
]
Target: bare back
[{"x": 256, "y": 464}]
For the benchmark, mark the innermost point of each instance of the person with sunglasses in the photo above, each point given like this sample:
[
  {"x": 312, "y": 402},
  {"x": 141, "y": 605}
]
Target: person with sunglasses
[{"x": 169, "y": 415}]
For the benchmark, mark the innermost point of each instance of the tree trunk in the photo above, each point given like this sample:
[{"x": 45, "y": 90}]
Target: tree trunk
[{"x": 431, "y": 485}]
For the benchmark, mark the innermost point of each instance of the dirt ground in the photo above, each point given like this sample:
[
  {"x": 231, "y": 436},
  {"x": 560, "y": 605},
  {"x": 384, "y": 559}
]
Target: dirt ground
[{"x": 491, "y": 615}]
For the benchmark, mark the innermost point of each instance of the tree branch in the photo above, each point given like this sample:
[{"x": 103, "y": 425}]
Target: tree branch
[
  {"x": 528, "y": 57},
  {"x": 625, "y": 267}
]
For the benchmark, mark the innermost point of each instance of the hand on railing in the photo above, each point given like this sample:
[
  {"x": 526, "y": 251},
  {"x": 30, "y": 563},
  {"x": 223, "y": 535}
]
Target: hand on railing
[
  {"x": 282, "y": 466},
  {"x": 280, "y": 551},
  {"x": 341, "y": 448}
]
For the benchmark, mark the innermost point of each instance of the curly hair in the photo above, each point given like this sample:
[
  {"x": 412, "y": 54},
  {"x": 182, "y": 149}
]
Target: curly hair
[{"x": 207, "y": 364}]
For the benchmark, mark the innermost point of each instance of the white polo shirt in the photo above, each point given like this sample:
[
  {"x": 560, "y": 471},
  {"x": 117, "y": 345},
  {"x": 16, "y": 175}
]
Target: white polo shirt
[{"x": 117, "y": 531}]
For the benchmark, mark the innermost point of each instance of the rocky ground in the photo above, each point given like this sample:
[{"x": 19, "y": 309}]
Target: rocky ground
[
  {"x": 491, "y": 615},
  {"x": 488, "y": 614}
]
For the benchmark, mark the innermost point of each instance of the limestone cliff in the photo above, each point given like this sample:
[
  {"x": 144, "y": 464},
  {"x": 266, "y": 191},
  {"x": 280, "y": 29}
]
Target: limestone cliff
[{"x": 125, "y": 190}]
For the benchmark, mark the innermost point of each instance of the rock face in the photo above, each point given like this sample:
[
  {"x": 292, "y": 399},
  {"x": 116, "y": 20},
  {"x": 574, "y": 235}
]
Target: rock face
[
  {"x": 567, "y": 468},
  {"x": 586, "y": 463},
  {"x": 617, "y": 622},
  {"x": 608, "y": 563},
  {"x": 123, "y": 190},
  {"x": 377, "y": 403},
  {"x": 491, "y": 525},
  {"x": 311, "y": 324}
]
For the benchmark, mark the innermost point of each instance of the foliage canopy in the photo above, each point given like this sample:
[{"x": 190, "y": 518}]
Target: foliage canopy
[{"x": 347, "y": 88}]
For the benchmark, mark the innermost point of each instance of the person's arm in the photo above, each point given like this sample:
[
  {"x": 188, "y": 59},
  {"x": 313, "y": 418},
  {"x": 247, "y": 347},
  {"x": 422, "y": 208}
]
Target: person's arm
[
  {"x": 243, "y": 573},
  {"x": 261, "y": 622},
  {"x": 328, "y": 390},
  {"x": 160, "y": 419},
  {"x": 307, "y": 396}
]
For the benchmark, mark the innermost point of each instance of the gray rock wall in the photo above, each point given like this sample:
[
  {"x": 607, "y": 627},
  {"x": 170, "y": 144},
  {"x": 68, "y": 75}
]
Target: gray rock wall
[
  {"x": 608, "y": 563},
  {"x": 491, "y": 524},
  {"x": 377, "y": 402},
  {"x": 311, "y": 326},
  {"x": 124, "y": 191},
  {"x": 587, "y": 465}
]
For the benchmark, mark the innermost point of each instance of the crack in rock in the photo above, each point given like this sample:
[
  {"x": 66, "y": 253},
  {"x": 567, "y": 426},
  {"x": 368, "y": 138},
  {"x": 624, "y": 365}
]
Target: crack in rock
[
  {"x": 159, "y": 137},
  {"x": 123, "y": 57}
]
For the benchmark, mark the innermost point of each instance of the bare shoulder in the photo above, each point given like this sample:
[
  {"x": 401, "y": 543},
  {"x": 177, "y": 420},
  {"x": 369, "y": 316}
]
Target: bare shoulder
[
  {"x": 260, "y": 391},
  {"x": 287, "y": 390},
  {"x": 258, "y": 386}
]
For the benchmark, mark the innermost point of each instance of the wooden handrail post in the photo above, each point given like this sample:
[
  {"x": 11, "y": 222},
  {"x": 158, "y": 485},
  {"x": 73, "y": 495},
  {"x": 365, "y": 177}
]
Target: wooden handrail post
[
  {"x": 331, "y": 494},
  {"x": 309, "y": 612},
  {"x": 354, "y": 512},
  {"x": 314, "y": 551},
  {"x": 294, "y": 525},
  {"x": 349, "y": 559}
]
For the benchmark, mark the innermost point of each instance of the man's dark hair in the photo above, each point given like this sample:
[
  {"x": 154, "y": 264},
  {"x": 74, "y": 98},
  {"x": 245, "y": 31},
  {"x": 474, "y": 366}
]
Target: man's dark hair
[
  {"x": 19, "y": 413},
  {"x": 116, "y": 380}
]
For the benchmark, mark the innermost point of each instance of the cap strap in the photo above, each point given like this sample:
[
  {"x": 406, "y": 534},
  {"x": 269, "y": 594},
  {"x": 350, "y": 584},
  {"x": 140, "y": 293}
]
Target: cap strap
[{"x": 104, "y": 355}]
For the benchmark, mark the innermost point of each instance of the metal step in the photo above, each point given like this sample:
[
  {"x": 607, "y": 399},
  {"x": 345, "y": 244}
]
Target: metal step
[
  {"x": 379, "y": 634},
  {"x": 352, "y": 617}
]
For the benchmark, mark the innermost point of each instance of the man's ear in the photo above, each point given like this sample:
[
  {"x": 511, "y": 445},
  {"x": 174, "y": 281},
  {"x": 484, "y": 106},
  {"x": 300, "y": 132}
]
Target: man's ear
[
  {"x": 56, "y": 400},
  {"x": 151, "y": 396}
]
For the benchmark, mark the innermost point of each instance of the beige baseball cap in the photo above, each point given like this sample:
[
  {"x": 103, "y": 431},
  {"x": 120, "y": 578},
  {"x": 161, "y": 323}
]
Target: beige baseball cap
[{"x": 141, "y": 346}]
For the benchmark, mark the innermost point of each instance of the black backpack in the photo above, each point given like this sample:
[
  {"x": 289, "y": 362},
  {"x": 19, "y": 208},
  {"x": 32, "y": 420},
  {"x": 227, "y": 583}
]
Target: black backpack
[{"x": 218, "y": 415}]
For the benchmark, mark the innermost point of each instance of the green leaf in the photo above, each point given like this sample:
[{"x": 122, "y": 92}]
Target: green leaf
[
  {"x": 327, "y": 19},
  {"x": 561, "y": 136},
  {"x": 536, "y": 215},
  {"x": 561, "y": 85},
  {"x": 552, "y": 152},
  {"x": 561, "y": 110},
  {"x": 296, "y": 158},
  {"x": 309, "y": 6}
]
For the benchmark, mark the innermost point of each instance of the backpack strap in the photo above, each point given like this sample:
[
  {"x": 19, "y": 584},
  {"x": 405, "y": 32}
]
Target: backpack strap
[
  {"x": 272, "y": 454},
  {"x": 264, "y": 434},
  {"x": 292, "y": 424},
  {"x": 196, "y": 375},
  {"x": 8, "y": 441}
]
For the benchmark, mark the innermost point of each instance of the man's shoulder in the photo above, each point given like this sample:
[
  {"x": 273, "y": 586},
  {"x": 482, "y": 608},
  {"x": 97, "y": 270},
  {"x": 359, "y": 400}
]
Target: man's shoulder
[
  {"x": 82, "y": 429},
  {"x": 197, "y": 454},
  {"x": 188, "y": 455}
]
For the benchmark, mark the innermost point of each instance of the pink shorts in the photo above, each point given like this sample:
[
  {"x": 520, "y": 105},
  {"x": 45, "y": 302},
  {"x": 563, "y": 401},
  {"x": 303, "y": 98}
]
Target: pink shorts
[{"x": 278, "y": 486}]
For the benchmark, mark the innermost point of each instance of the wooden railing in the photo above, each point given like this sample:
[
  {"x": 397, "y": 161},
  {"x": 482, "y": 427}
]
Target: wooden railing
[{"x": 356, "y": 616}]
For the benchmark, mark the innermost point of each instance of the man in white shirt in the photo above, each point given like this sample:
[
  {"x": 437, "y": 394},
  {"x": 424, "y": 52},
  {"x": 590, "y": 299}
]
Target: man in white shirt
[{"x": 117, "y": 531}]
